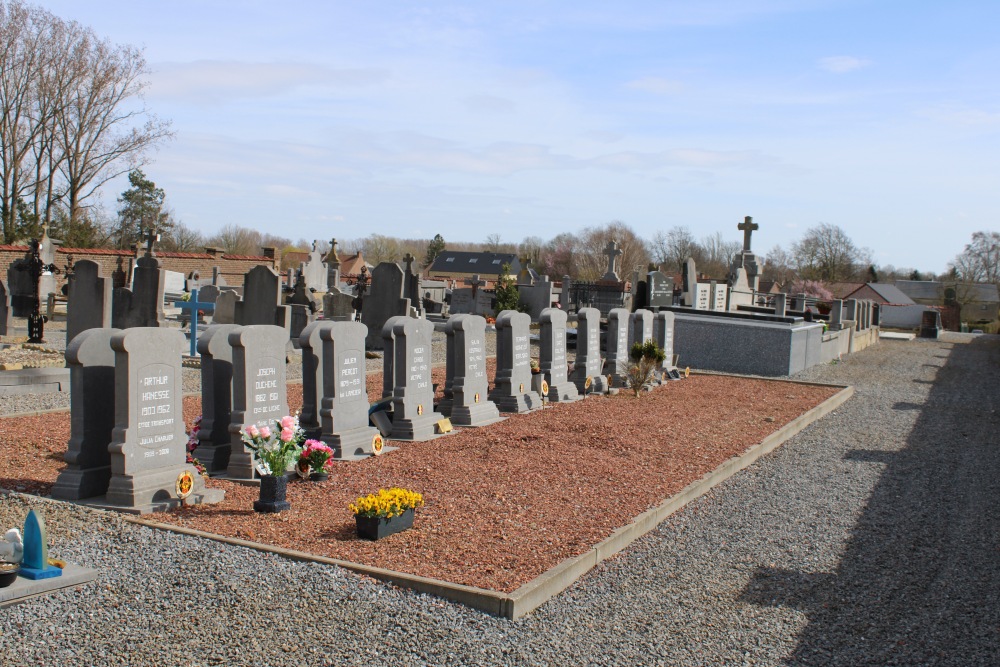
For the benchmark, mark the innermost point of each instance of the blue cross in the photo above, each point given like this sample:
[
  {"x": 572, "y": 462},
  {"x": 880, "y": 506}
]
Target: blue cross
[{"x": 194, "y": 306}]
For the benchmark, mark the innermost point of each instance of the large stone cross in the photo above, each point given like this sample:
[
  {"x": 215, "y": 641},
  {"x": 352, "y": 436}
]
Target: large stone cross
[
  {"x": 613, "y": 252},
  {"x": 475, "y": 282},
  {"x": 151, "y": 237},
  {"x": 408, "y": 260},
  {"x": 747, "y": 227}
]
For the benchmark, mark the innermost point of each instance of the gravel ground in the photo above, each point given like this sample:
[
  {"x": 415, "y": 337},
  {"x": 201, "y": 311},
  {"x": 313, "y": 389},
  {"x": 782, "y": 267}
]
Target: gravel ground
[{"x": 869, "y": 538}]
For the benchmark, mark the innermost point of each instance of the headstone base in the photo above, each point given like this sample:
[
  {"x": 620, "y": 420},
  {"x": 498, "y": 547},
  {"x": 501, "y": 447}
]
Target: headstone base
[
  {"x": 475, "y": 415},
  {"x": 598, "y": 385},
  {"x": 518, "y": 403},
  {"x": 564, "y": 392},
  {"x": 352, "y": 445},
  {"x": 81, "y": 483},
  {"x": 155, "y": 492},
  {"x": 215, "y": 458},
  {"x": 420, "y": 429}
]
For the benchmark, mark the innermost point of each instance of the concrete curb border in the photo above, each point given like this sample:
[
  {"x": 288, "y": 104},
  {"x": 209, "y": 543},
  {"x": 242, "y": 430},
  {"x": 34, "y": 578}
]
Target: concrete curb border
[{"x": 554, "y": 581}]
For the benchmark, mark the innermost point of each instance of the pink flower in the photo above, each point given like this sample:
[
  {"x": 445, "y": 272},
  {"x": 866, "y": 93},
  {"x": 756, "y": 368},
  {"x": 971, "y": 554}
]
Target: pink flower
[
  {"x": 287, "y": 422},
  {"x": 252, "y": 431},
  {"x": 264, "y": 432},
  {"x": 287, "y": 434}
]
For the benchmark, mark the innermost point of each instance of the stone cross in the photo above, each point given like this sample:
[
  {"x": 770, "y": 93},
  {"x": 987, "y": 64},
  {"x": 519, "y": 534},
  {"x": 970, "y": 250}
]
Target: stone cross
[
  {"x": 194, "y": 306},
  {"x": 408, "y": 260},
  {"x": 475, "y": 282},
  {"x": 151, "y": 237},
  {"x": 613, "y": 252},
  {"x": 747, "y": 227}
]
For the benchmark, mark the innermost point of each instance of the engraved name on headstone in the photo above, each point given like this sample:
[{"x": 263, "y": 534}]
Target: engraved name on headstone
[
  {"x": 552, "y": 356},
  {"x": 512, "y": 386},
  {"x": 589, "y": 365},
  {"x": 344, "y": 403}
]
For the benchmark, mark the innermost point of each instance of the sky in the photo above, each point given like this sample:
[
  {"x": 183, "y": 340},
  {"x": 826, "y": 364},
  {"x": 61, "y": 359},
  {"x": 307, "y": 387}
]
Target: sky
[{"x": 342, "y": 119}]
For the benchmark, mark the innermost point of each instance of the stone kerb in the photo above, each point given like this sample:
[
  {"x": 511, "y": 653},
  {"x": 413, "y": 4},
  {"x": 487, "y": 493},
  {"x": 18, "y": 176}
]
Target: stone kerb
[
  {"x": 92, "y": 416},
  {"x": 616, "y": 345},
  {"x": 552, "y": 356},
  {"x": 259, "y": 389},
  {"x": 413, "y": 412},
  {"x": 149, "y": 442},
  {"x": 512, "y": 386},
  {"x": 587, "y": 371},
  {"x": 467, "y": 350},
  {"x": 344, "y": 403},
  {"x": 216, "y": 353}
]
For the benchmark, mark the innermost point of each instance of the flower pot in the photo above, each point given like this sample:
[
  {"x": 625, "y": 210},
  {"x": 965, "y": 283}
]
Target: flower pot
[
  {"x": 375, "y": 528},
  {"x": 8, "y": 574},
  {"x": 272, "y": 494},
  {"x": 318, "y": 476}
]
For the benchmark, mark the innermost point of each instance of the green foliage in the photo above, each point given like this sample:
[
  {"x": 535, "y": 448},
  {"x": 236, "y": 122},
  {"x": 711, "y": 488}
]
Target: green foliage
[
  {"x": 141, "y": 208},
  {"x": 648, "y": 350},
  {"x": 508, "y": 297},
  {"x": 434, "y": 248},
  {"x": 639, "y": 374}
]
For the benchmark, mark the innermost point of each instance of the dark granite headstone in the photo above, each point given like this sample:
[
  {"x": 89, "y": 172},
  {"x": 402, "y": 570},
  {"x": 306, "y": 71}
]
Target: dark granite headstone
[
  {"x": 414, "y": 417},
  {"x": 660, "y": 288},
  {"x": 344, "y": 405},
  {"x": 259, "y": 388},
  {"x": 225, "y": 308},
  {"x": 261, "y": 303},
  {"x": 6, "y": 311},
  {"x": 512, "y": 386},
  {"x": 469, "y": 385},
  {"x": 587, "y": 371},
  {"x": 89, "y": 299},
  {"x": 552, "y": 356},
  {"x": 383, "y": 301},
  {"x": 147, "y": 293},
  {"x": 91, "y": 364},
  {"x": 338, "y": 306},
  {"x": 149, "y": 442},
  {"x": 214, "y": 444}
]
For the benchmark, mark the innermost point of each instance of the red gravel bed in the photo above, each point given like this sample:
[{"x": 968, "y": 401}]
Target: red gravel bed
[{"x": 506, "y": 502}]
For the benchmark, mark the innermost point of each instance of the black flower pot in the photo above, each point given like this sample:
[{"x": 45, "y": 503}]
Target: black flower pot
[
  {"x": 318, "y": 476},
  {"x": 375, "y": 528},
  {"x": 8, "y": 574},
  {"x": 272, "y": 494}
]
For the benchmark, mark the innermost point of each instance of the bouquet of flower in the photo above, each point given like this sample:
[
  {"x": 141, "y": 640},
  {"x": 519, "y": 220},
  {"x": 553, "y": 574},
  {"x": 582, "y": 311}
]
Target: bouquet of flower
[
  {"x": 274, "y": 451},
  {"x": 192, "y": 444},
  {"x": 386, "y": 504},
  {"x": 316, "y": 456}
]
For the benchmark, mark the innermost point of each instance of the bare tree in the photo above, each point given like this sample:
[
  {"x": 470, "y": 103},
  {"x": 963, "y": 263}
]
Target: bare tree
[
  {"x": 236, "y": 240},
  {"x": 493, "y": 242},
  {"x": 979, "y": 262},
  {"x": 674, "y": 247},
  {"x": 181, "y": 238},
  {"x": 592, "y": 263},
  {"x": 778, "y": 266},
  {"x": 827, "y": 253},
  {"x": 559, "y": 255},
  {"x": 378, "y": 248},
  {"x": 717, "y": 254},
  {"x": 531, "y": 248}
]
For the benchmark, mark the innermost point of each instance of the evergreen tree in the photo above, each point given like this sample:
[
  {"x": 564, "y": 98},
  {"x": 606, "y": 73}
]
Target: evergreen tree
[
  {"x": 434, "y": 248},
  {"x": 508, "y": 298},
  {"x": 141, "y": 208}
]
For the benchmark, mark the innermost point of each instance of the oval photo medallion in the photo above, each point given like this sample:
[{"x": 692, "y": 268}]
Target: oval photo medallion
[
  {"x": 588, "y": 382},
  {"x": 377, "y": 444},
  {"x": 545, "y": 388},
  {"x": 185, "y": 484}
]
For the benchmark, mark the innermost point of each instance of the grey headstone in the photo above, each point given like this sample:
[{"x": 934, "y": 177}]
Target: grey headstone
[
  {"x": 225, "y": 308},
  {"x": 149, "y": 442},
  {"x": 703, "y": 296},
  {"x": 552, "y": 356},
  {"x": 315, "y": 270},
  {"x": 91, "y": 364},
  {"x": 780, "y": 304},
  {"x": 613, "y": 253},
  {"x": 261, "y": 302},
  {"x": 301, "y": 317},
  {"x": 740, "y": 293},
  {"x": 383, "y": 301},
  {"x": 259, "y": 388},
  {"x": 512, "y": 387},
  {"x": 663, "y": 336},
  {"x": 616, "y": 345},
  {"x": 640, "y": 327},
  {"x": 344, "y": 405},
  {"x": 414, "y": 417},
  {"x": 689, "y": 295},
  {"x": 21, "y": 287},
  {"x": 589, "y": 364},
  {"x": 337, "y": 306},
  {"x": 208, "y": 293},
  {"x": 312, "y": 377},
  {"x": 89, "y": 299},
  {"x": 47, "y": 253},
  {"x": 462, "y": 302},
  {"x": 836, "y": 313},
  {"x": 6, "y": 311},
  {"x": 214, "y": 444},
  {"x": 659, "y": 289},
  {"x": 469, "y": 385},
  {"x": 537, "y": 296},
  {"x": 147, "y": 293}
]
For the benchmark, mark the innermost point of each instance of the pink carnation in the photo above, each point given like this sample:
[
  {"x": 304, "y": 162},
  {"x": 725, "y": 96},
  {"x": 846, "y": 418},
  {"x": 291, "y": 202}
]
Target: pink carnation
[
  {"x": 287, "y": 434},
  {"x": 287, "y": 422},
  {"x": 265, "y": 432},
  {"x": 252, "y": 431}
]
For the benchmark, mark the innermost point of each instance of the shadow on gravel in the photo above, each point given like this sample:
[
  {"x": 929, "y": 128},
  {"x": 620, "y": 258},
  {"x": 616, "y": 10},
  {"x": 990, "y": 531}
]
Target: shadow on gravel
[{"x": 919, "y": 582}]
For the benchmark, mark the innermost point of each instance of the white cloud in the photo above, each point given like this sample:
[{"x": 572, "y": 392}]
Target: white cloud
[
  {"x": 842, "y": 64},
  {"x": 655, "y": 85}
]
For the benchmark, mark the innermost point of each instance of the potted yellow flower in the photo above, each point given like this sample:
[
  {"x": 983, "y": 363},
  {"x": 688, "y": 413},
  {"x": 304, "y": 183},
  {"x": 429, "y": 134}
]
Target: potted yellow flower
[{"x": 385, "y": 513}]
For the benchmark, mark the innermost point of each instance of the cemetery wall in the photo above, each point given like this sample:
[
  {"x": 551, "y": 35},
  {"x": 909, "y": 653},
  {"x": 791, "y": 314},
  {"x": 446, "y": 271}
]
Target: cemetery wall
[{"x": 231, "y": 267}]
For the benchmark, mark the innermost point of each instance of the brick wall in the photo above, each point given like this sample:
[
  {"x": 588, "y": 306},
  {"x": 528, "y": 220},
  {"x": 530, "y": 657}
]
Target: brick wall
[{"x": 231, "y": 267}]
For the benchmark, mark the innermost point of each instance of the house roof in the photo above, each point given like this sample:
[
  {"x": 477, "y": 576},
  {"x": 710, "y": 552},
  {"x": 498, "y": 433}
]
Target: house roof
[
  {"x": 890, "y": 294},
  {"x": 934, "y": 290},
  {"x": 843, "y": 290},
  {"x": 483, "y": 263}
]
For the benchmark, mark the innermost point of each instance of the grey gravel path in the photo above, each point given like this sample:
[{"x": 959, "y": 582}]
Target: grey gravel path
[{"x": 869, "y": 538}]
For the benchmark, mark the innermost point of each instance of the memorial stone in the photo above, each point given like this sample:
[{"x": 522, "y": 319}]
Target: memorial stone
[
  {"x": 640, "y": 327},
  {"x": 552, "y": 356},
  {"x": 338, "y": 306},
  {"x": 333, "y": 267},
  {"x": 703, "y": 299},
  {"x": 613, "y": 253},
  {"x": 344, "y": 403},
  {"x": 587, "y": 371},
  {"x": 315, "y": 271},
  {"x": 616, "y": 344},
  {"x": 690, "y": 295},
  {"x": 148, "y": 285},
  {"x": 312, "y": 377},
  {"x": 660, "y": 289},
  {"x": 6, "y": 311},
  {"x": 214, "y": 444},
  {"x": 149, "y": 442},
  {"x": 718, "y": 297},
  {"x": 91, "y": 364},
  {"x": 89, "y": 300},
  {"x": 663, "y": 336},
  {"x": 225, "y": 308},
  {"x": 468, "y": 384},
  {"x": 259, "y": 389},
  {"x": 413, "y": 417},
  {"x": 261, "y": 299},
  {"x": 780, "y": 304},
  {"x": 35, "y": 561},
  {"x": 512, "y": 386},
  {"x": 384, "y": 300}
]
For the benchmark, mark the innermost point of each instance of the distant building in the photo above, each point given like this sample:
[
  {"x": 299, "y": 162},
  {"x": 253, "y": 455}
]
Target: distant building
[
  {"x": 881, "y": 293},
  {"x": 979, "y": 302},
  {"x": 458, "y": 265}
]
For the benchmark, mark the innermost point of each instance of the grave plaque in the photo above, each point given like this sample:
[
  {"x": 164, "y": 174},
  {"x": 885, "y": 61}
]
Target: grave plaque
[
  {"x": 719, "y": 297},
  {"x": 216, "y": 353},
  {"x": 413, "y": 417},
  {"x": 663, "y": 336},
  {"x": 552, "y": 356},
  {"x": 259, "y": 388},
  {"x": 703, "y": 297},
  {"x": 469, "y": 386},
  {"x": 148, "y": 443},
  {"x": 587, "y": 373},
  {"x": 312, "y": 377},
  {"x": 616, "y": 344},
  {"x": 512, "y": 387},
  {"x": 91, "y": 364},
  {"x": 344, "y": 403},
  {"x": 640, "y": 327},
  {"x": 660, "y": 289}
]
